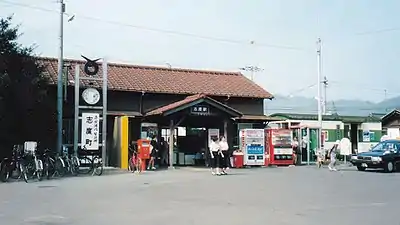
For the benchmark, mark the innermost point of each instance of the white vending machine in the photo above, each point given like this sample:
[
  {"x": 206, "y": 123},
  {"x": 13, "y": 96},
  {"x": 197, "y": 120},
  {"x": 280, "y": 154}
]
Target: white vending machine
[{"x": 252, "y": 144}]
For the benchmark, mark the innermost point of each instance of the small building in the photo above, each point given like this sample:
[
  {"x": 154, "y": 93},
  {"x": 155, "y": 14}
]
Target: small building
[
  {"x": 362, "y": 131},
  {"x": 159, "y": 100},
  {"x": 391, "y": 123}
]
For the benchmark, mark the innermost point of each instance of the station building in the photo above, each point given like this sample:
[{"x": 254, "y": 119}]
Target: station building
[{"x": 161, "y": 101}]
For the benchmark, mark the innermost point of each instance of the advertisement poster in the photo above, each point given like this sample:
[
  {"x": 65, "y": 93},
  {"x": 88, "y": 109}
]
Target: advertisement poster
[
  {"x": 90, "y": 131},
  {"x": 366, "y": 136}
]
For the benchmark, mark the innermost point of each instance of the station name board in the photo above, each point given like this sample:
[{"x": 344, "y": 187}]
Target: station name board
[{"x": 200, "y": 109}]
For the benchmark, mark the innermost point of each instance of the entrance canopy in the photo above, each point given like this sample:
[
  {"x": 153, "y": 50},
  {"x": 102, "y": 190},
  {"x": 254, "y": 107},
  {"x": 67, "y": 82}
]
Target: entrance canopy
[{"x": 198, "y": 105}]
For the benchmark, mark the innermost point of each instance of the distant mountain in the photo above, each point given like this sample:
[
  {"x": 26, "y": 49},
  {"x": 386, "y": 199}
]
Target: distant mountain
[{"x": 282, "y": 104}]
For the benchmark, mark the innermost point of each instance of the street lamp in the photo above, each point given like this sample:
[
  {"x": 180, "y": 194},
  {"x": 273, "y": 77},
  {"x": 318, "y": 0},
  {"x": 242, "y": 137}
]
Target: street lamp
[{"x": 60, "y": 75}]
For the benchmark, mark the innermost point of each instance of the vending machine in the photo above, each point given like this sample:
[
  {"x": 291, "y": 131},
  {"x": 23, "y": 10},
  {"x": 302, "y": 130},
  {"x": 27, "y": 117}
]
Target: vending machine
[
  {"x": 279, "y": 142},
  {"x": 252, "y": 144}
]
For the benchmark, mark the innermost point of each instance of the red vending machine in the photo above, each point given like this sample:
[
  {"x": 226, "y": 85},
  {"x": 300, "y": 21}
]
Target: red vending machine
[{"x": 279, "y": 145}]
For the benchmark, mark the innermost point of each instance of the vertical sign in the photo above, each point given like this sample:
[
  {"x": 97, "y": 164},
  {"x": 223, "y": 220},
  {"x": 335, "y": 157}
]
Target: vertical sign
[{"x": 90, "y": 131}]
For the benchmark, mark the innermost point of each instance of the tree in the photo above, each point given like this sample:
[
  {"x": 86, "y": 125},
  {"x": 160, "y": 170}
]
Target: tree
[{"x": 26, "y": 111}]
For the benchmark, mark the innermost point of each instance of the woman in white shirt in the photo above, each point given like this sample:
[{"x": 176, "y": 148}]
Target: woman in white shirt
[
  {"x": 215, "y": 156},
  {"x": 224, "y": 156}
]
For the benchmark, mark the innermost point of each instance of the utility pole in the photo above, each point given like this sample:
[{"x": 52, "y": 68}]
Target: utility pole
[
  {"x": 252, "y": 69},
  {"x": 319, "y": 92},
  {"x": 325, "y": 101},
  {"x": 60, "y": 79},
  {"x": 385, "y": 99}
]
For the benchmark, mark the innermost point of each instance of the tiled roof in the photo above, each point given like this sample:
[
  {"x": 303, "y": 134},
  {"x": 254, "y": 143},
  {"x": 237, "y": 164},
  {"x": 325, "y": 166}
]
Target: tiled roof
[
  {"x": 188, "y": 100},
  {"x": 394, "y": 112},
  {"x": 165, "y": 80}
]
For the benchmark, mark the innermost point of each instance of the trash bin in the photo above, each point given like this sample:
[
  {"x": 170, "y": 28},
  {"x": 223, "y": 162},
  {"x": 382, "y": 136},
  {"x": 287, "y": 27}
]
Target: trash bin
[{"x": 238, "y": 159}]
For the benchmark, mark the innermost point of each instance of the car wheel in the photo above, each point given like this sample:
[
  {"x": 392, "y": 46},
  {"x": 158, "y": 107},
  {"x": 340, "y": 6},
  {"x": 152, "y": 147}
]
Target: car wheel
[
  {"x": 389, "y": 167},
  {"x": 360, "y": 168}
]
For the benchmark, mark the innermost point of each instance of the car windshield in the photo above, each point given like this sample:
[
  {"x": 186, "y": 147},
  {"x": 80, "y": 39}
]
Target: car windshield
[{"x": 386, "y": 146}]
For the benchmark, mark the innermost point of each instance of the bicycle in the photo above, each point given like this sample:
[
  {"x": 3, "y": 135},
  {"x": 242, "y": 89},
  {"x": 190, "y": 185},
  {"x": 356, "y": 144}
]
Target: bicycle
[
  {"x": 94, "y": 162},
  {"x": 14, "y": 165},
  {"x": 49, "y": 169},
  {"x": 34, "y": 166}
]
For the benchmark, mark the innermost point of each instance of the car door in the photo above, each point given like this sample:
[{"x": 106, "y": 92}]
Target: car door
[{"x": 397, "y": 155}]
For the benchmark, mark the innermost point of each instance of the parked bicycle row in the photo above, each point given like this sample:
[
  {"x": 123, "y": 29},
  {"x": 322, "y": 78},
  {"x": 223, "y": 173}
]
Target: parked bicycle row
[{"x": 36, "y": 165}]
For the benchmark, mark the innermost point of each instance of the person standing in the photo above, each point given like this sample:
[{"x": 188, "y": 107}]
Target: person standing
[
  {"x": 295, "y": 147},
  {"x": 164, "y": 152},
  {"x": 332, "y": 154},
  {"x": 214, "y": 154},
  {"x": 224, "y": 155},
  {"x": 153, "y": 153}
]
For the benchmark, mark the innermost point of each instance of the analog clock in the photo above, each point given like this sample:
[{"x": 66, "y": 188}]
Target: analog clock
[{"x": 91, "y": 96}]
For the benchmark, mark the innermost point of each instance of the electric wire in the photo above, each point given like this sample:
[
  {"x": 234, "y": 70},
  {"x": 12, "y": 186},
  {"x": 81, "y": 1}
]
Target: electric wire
[{"x": 171, "y": 32}]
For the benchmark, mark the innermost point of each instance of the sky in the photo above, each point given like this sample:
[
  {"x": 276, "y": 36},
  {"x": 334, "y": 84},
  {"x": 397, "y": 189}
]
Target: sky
[{"x": 360, "y": 39}]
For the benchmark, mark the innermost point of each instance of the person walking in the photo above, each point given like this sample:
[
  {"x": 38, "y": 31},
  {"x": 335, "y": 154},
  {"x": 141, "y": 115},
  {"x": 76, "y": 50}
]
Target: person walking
[
  {"x": 332, "y": 154},
  {"x": 215, "y": 158},
  {"x": 224, "y": 155}
]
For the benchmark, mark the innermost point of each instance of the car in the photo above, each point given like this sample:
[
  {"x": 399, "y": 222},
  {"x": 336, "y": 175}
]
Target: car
[{"x": 385, "y": 155}]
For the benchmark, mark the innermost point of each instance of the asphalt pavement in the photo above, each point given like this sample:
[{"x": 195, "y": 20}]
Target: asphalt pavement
[{"x": 296, "y": 195}]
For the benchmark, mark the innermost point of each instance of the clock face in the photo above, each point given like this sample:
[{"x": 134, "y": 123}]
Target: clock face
[{"x": 91, "y": 96}]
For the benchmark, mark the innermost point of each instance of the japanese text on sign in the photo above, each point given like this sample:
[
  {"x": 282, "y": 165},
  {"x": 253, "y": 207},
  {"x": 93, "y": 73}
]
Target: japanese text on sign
[
  {"x": 90, "y": 131},
  {"x": 200, "y": 109}
]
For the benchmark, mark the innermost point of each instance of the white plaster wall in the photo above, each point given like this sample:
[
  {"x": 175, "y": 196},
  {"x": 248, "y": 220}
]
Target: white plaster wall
[
  {"x": 365, "y": 146},
  {"x": 325, "y": 124},
  {"x": 371, "y": 126}
]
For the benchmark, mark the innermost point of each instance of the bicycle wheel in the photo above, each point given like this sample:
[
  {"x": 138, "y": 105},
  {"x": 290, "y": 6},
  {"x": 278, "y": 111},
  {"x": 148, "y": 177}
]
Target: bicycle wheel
[
  {"x": 97, "y": 166},
  {"x": 59, "y": 167},
  {"x": 4, "y": 172},
  {"x": 48, "y": 168},
  {"x": 23, "y": 172},
  {"x": 39, "y": 169},
  {"x": 86, "y": 164},
  {"x": 74, "y": 166}
]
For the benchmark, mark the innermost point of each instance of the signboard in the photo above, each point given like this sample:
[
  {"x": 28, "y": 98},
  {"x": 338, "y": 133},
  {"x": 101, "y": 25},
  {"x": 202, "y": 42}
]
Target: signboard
[
  {"x": 255, "y": 150},
  {"x": 345, "y": 146},
  {"x": 200, "y": 109},
  {"x": 90, "y": 130},
  {"x": 366, "y": 136}
]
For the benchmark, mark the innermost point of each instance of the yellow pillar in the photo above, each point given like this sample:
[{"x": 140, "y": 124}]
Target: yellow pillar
[{"x": 124, "y": 142}]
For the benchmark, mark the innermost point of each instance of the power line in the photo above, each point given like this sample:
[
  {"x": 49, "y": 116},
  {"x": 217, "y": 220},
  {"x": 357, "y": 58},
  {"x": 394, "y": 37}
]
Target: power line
[
  {"x": 179, "y": 33},
  {"x": 378, "y": 31}
]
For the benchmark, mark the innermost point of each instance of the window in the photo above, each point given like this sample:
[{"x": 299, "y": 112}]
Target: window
[{"x": 387, "y": 146}]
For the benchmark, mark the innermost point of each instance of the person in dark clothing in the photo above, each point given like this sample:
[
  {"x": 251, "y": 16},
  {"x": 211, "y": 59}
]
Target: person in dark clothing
[
  {"x": 154, "y": 148},
  {"x": 164, "y": 152}
]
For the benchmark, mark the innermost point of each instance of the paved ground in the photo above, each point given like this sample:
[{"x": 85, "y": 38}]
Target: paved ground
[{"x": 299, "y": 195}]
